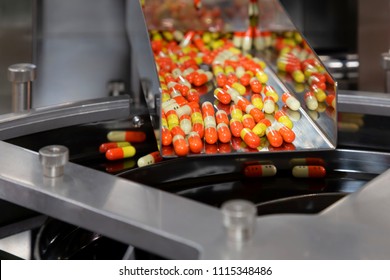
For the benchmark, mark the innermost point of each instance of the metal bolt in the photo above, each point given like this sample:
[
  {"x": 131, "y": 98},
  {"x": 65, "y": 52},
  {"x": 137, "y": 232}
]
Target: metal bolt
[
  {"x": 116, "y": 88},
  {"x": 21, "y": 75},
  {"x": 53, "y": 159},
  {"x": 239, "y": 219}
]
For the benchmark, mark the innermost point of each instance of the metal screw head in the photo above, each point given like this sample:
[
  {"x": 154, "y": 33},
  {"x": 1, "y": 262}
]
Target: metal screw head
[
  {"x": 22, "y": 72},
  {"x": 53, "y": 159},
  {"x": 239, "y": 219}
]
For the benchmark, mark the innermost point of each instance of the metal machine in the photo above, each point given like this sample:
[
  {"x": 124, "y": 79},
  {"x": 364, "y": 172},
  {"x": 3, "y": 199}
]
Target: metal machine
[{"x": 194, "y": 207}]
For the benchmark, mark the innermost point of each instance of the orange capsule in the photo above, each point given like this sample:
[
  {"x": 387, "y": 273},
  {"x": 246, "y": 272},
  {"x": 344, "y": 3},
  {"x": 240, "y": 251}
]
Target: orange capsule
[
  {"x": 207, "y": 109},
  {"x": 260, "y": 170},
  {"x": 245, "y": 79},
  {"x": 242, "y": 102},
  {"x": 177, "y": 130},
  {"x": 274, "y": 137},
  {"x": 149, "y": 159},
  {"x": 210, "y": 134},
  {"x": 195, "y": 142},
  {"x": 331, "y": 100},
  {"x": 200, "y": 79},
  {"x": 110, "y": 145},
  {"x": 193, "y": 95},
  {"x": 256, "y": 113},
  {"x": 211, "y": 149},
  {"x": 221, "y": 117},
  {"x": 248, "y": 121},
  {"x": 129, "y": 136},
  {"x": 120, "y": 153},
  {"x": 166, "y": 136},
  {"x": 224, "y": 148},
  {"x": 221, "y": 80},
  {"x": 255, "y": 85},
  {"x": 235, "y": 127},
  {"x": 224, "y": 134},
  {"x": 251, "y": 139},
  {"x": 180, "y": 145},
  {"x": 309, "y": 171},
  {"x": 222, "y": 96},
  {"x": 287, "y": 134}
]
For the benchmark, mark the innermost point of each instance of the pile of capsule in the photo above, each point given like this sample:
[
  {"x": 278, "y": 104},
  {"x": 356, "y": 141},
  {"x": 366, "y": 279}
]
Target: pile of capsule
[
  {"x": 246, "y": 107},
  {"x": 120, "y": 146}
]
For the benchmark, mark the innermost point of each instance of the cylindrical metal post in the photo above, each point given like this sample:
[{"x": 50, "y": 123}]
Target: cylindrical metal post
[
  {"x": 21, "y": 75},
  {"x": 239, "y": 219},
  {"x": 53, "y": 159}
]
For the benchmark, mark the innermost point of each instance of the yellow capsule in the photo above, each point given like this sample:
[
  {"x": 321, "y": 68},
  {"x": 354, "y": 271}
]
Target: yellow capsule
[
  {"x": 236, "y": 112},
  {"x": 239, "y": 87},
  {"x": 298, "y": 76},
  {"x": 229, "y": 69},
  {"x": 262, "y": 76},
  {"x": 168, "y": 35},
  {"x": 259, "y": 129},
  {"x": 286, "y": 121},
  {"x": 319, "y": 94}
]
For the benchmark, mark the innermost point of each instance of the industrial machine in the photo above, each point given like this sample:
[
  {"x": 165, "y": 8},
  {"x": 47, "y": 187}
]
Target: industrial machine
[{"x": 77, "y": 204}]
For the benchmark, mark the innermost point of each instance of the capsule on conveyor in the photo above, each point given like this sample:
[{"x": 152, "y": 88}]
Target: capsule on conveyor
[
  {"x": 120, "y": 153},
  {"x": 149, "y": 159},
  {"x": 291, "y": 101},
  {"x": 260, "y": 170},
  {"x": 129, "y": 136},
  {"x": 110, "y": 145},
  {"x": 308, "y": 171}
]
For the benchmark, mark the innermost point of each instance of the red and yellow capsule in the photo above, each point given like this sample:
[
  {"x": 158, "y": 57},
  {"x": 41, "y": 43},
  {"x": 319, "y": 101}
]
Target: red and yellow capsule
[
  {"x": 282, "y": 117},
  {"x": 261, "y": 127},
  {"x": 149, "y": 159},
  {"x": 250, "y": 138},
  {"x": 236, "y": 112},
  {"x": 236, "y": 126},
  {"x": 309, "y": 171},
  {"x": 110, "y": 145},
  {"x": 222, "y": 96},
  {"x": 257, "y": 101},
  {"x": 120, "y": 153},
  {"x": 128, "y": 136},
  {"x": 270, "y": 91},
  {"x": 248, "y": 121}
]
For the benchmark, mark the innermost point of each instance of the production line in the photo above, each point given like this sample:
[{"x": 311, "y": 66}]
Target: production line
[{"x": 136, "y": 184}]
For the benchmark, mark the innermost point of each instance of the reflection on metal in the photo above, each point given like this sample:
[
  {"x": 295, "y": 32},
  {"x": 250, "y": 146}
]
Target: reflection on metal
[
  {"x": 355, "y": 228},
  {"x": 46, "y": 118},
  {"x": 370, "y": 103}
]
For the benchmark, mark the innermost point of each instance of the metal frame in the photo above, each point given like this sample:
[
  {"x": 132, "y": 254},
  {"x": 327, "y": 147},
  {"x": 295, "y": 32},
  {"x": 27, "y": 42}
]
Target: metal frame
[{"x": 354, "y": 228}]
